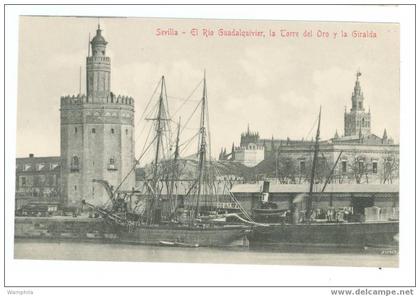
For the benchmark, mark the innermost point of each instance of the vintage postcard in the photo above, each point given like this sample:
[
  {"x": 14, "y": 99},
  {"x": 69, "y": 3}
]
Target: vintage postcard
[{"x": 263, "y": 142}]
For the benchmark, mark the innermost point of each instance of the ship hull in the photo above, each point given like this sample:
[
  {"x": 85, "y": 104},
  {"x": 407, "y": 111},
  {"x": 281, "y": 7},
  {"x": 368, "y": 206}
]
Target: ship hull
[
  {"x": 182, "y": 235},
  {"x": 368, "y": 234}
]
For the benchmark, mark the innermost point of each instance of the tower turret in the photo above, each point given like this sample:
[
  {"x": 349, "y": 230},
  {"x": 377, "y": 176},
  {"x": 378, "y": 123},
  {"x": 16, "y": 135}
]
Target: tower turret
[
  {"x": 385, "y": 137},
  {"x": 232, "y": 153},
  {"x": 98, "y": 43},
  {"x": 98, "y": 70},
  {"x": 357, "y": 96}
]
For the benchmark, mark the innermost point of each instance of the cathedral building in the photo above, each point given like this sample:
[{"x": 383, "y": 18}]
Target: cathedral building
[
  {"x": 359, "y": 156},
  {"x": 97, "y": 134},
  {"x": 249, "y": 153}
]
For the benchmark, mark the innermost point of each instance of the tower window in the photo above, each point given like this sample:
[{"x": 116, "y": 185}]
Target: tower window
[
  {"x": 74, "y": 165},
  {"x": 111, "y": 164},
  {"x": 112, "y": 130},
  {"x": 126, "y": 131},
  {"x": 75, "y": 130},
  {"x": 75, "y": 187},
  {"x": 93, "y": 131}
]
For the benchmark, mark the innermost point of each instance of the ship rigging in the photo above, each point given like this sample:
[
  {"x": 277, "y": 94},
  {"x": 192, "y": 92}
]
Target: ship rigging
[{"x": 157, "y": 216}]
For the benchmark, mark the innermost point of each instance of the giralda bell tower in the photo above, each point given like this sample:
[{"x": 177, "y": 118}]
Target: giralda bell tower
[
  {"x": 97, "y": 130},
  {"x": 357, "y": 121}
]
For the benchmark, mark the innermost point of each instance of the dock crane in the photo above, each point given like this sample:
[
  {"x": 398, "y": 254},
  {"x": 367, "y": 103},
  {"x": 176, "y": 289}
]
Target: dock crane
[{"x": 121, "y": 200}]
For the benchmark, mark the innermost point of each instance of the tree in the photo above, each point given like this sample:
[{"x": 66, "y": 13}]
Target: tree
[
  {"x": 322, "y": 170},
  {"x": 390, "y": 168},
  {"x": 286, "y": 170},
  {"x": 359, "y": 169}
]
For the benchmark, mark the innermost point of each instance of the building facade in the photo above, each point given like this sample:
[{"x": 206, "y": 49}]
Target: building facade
[
  {"x": 97, "y": 134},
  {"x": 342, "y": 162},
  {"x": 250, "y": 152},
  {"x": 37, "y": 179}
]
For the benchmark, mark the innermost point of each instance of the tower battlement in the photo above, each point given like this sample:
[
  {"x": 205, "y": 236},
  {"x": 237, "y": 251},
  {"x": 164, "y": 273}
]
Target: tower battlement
[
  {"x": 250, "y": 147},
  {"x": 95, "y": 59},
  {"x": 83, "y": 99}
]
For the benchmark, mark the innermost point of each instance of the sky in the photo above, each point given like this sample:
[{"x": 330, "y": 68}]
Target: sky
[{"x": 275, "y": 84}]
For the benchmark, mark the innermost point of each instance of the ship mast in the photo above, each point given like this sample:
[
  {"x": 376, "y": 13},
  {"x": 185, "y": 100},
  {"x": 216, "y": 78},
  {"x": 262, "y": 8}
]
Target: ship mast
[
  {"x": 313, "y": 170},
  {"x": 202, "y": 147},
  {"x": 159, "y": 128},
  {"x": 175, "y": 166},
  {"x": 158, "y": 133}
]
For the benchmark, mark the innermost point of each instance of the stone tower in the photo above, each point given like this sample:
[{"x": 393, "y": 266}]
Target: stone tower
[
  {"x": 357, "y": 121},
  {"x": 97, "y": 131}
]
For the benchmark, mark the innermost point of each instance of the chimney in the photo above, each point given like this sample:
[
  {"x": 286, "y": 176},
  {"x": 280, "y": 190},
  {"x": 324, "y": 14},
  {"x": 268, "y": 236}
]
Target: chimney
[
  {"x": 265, "y": 193},
  {"x": 266, "y": 186}
]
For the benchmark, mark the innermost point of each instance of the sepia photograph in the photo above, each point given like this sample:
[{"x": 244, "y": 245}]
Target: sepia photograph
[
  {"x": 208, "y": 141},
  {"x": 303, "y": 156}
]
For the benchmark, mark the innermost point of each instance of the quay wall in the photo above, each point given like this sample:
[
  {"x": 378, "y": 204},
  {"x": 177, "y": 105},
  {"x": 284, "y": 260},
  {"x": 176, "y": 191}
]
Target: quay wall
[{"x": 63, "y": 228}]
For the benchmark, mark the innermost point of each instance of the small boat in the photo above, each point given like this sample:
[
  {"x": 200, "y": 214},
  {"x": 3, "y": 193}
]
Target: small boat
[
  {"x": 95, "y": 234},
  {"x": 177, "y": 244}
]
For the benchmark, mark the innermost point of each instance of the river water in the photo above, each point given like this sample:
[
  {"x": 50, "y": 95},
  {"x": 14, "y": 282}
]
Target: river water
[{"x": 96, "y": 251}]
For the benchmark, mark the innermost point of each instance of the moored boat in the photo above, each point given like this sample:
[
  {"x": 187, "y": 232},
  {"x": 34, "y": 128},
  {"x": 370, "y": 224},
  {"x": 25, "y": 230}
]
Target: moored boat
[
  {"x": 351, "y": 234},
  {"x": 289, "y": 227}
]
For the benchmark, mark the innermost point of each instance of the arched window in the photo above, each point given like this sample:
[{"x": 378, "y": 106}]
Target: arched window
[
  {"x": 111, "y": 164},
  {"x": 75, "y": 164},
  {"x": 93, "y": 131},
  {"x": 112, "y": 131}
]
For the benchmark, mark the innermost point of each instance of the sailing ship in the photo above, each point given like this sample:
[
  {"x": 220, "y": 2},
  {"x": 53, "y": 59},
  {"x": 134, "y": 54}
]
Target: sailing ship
[
  {"x": 158, "y": 217},
  {"x": 288, "y": 228}
]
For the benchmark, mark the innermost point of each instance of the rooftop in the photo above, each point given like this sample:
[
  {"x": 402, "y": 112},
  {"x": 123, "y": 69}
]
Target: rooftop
[{"x": 331, "y": 188}]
